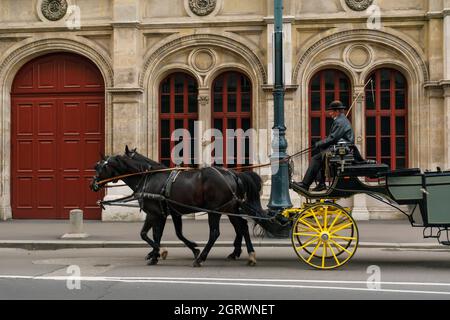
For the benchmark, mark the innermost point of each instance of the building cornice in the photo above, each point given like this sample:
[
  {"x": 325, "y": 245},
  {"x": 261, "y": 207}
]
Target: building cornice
[
  {"x": 287, "y": 88},
  {"x": 286, "y": 19},
  {"x": 125, "y": 90},
  {"x": 126, "y": 24},
  {"x": 441, "y": 84}
]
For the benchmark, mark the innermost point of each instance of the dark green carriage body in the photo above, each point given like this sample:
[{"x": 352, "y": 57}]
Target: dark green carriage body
[{"x": 427, "y": 194}]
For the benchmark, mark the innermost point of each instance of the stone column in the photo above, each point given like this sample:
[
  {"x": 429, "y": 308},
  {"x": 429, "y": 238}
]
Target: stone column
[
  {"x": 360, "y": 211},
  {"x": 446, "y": 13},
  {"x": 129, "y": 115},
  {"x": 204, "y": 117},
  {"x": 287, "y": 50},
  {"x": 446, "y": 82},
  {"x": 447, "y": 125}
]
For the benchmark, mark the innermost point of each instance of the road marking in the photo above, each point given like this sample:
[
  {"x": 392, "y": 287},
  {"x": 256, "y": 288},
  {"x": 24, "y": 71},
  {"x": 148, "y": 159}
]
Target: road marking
[{"x": 242, "y": 282}]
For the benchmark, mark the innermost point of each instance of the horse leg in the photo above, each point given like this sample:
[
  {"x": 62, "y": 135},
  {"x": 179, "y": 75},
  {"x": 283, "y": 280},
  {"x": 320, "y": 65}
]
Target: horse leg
[
  {"x": 214, "y": 233},
  {"x": 144, "y": 231},
  {"x": 248, "y": 242},
  {"x": 178, "y": 224},
  {"x": 237, "y": 240},
  {"x": 158, "y": 230}
]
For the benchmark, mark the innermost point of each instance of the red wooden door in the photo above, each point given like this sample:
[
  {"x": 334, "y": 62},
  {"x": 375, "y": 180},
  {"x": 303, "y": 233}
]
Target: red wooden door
[{"x": 57, "y": 135}]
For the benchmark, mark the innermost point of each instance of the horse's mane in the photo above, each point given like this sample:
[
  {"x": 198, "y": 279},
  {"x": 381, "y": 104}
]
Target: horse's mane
[{"x": 155, "y": 165}]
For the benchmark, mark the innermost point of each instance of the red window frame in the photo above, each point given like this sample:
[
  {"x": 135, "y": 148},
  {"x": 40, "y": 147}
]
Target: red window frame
[
  {"x": 240, "y": 113},
  {"x": 319, "y": 87},
  {"x": 174, "y": 88},
  {"x": 390, "y": 112}
]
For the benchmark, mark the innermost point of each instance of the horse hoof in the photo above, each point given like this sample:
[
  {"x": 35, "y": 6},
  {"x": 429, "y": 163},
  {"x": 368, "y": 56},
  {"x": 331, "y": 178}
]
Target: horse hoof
[
  {"x": 152, "y": 262},
  {"x": 164, "y": 254},
  {"x": 196, "y": 253},
  {"x": 196, "y": 264},
  {"x": 251, "y": 259},
  {"x": 233, "y": 256},
  {"x": 251, "y": 263}
]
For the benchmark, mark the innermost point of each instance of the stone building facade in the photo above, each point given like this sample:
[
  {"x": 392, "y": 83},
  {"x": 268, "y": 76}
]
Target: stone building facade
[{"x": 139, "y": 48}]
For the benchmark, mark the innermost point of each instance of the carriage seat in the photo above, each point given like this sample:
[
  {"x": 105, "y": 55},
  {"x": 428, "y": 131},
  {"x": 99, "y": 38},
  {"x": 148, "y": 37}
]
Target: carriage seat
[
  {"x": 343, "y": 163},
  {"x": 365, "y": 170}
]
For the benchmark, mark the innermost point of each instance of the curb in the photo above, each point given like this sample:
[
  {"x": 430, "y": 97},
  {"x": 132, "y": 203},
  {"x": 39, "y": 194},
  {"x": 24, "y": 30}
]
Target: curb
[{"x": 84, "y": 244}]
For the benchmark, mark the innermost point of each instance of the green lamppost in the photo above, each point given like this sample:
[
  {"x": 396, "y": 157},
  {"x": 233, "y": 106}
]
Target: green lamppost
[{"x": 279, "y": 195}]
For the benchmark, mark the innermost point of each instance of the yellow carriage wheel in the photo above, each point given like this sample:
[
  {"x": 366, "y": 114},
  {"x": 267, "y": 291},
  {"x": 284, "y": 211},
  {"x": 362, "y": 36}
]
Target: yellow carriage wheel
[{"x": 324, "y": 236}]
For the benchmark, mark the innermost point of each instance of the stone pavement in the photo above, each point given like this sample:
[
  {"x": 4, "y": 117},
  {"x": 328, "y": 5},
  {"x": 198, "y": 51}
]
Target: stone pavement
[{"x": 46, "y": 234}]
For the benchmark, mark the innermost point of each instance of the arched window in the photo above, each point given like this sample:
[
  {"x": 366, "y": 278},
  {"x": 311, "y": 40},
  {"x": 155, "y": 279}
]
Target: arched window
[
  {"x": 386, "y": 118},
  {"x": 325, "y": 87},
  {"x": 232, "y": 110},
  {"x": 178, "y": 109}
]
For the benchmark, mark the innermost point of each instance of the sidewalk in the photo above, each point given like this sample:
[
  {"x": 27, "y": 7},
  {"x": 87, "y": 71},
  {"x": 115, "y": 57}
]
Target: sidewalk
[{"x": 46, "y": 234}]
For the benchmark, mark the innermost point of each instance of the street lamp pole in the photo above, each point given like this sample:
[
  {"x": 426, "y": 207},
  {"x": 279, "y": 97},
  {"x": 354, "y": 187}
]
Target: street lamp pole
[{"x": 279, "y": 195}]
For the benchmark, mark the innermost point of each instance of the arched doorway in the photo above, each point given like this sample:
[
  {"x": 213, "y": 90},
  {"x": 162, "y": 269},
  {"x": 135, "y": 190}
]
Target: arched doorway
[{"x": 57, "y": 133}]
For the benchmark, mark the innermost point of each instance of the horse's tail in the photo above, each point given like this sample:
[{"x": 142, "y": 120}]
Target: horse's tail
[{"x": 252, "y": 185}]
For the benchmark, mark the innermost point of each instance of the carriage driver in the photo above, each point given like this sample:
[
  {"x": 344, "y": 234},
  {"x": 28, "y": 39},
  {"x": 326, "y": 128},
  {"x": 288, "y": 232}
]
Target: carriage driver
[{"x": 341, "y": 130}]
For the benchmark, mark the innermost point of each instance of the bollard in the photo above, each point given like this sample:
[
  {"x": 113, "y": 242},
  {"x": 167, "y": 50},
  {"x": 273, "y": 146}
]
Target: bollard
[
  {"x": 76, "y": 226},
  {"x": 76, "y": 221}
]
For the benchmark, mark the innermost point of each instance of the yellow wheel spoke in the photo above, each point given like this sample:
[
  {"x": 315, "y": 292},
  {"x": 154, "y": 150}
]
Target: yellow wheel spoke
[
  {"x": 335, "y": 220},
  {"x": 334, "y": 255},
  {"x": 341, "y": 247},
  {"x": 306, "y": 244},
  {"x": 341, "y": 227},
  {"x": 314, "y": 252},
  {"x": 342, "y": 238},
  {"x": 325, "y": 219},
  {"x": 317, "y": 221},
  {"x": 305, "y": 234},
  {"x": 324, "y": 254},
  {"x": 310, "y": 226}
]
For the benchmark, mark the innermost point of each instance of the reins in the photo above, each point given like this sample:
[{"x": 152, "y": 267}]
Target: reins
[
  {"x": 142, "y": 173},
  {"x": 286, "y": 159}
]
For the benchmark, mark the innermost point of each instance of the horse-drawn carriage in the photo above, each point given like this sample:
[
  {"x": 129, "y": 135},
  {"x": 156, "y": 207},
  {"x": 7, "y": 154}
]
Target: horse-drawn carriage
[{"x": 325, "y": 236}]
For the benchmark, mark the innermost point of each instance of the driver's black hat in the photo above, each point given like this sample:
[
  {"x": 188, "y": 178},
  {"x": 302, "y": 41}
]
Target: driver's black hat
[{"x": 336, "y": 105}]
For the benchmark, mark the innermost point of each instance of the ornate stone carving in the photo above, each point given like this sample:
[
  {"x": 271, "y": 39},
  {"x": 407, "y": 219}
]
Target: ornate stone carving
[
  {"x": 203, "y": 60},
  {"x": 202, "y": 7},
  {"x": 203, "y": 100},
  {"x": 54, "y": 10},
  {"x": 358, "y": 56},
  {"x": 359, "y": 5},
  {"x": 202, "y": 40},
  {"x": 389, "y": 40}
]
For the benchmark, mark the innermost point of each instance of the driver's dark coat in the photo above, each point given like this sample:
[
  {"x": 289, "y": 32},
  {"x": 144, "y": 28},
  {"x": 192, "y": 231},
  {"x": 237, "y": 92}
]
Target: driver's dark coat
[{"x": 340, "y": 129}]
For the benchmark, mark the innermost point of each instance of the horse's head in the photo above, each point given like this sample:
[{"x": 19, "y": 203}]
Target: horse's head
[
  {"x": 136, "y": 156},
  {"x": 107, "y": 168}
]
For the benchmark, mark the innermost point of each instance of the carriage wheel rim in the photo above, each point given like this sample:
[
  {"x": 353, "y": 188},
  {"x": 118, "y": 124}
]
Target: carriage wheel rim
[
  {"x": 340, "y": 252},
  {"x": 323, "y": 232}
]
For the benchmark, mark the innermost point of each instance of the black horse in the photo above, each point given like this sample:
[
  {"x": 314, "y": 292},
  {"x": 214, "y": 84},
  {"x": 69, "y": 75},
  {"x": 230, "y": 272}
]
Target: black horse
[
  {"x": 213, "y": 189},
  {"x": 177, "y": 221}
]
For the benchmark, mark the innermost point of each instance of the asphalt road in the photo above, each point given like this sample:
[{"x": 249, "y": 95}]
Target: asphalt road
[{"x": 123, "y": 274}]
